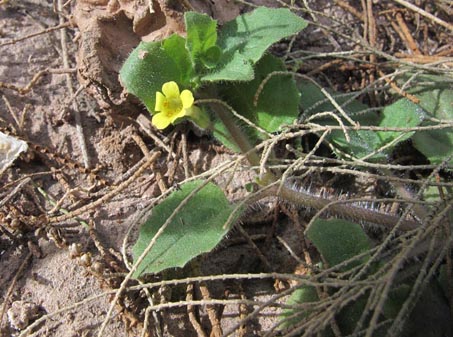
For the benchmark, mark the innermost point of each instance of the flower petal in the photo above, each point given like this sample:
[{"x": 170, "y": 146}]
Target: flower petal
[
  {"x": 170, "y": 89},
  {"x": 187, "y": 98},
  {"x": 160, "y": 99},
  {"x": 160, "y": 121}
]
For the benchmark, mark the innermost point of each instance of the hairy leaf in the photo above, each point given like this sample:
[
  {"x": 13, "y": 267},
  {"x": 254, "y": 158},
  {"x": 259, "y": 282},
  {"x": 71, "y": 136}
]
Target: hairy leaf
[
  {"x": 278, "y": 102},
  {"x": 245, "y": 39},
  {"x": 152, "y": 64},
  {"x": 175, "y": 48},
  {"x": 401, "y": 114},
  {"x": 197, "y": 228},
  {"x": 362, "y": 142},
  {"x": 202, "y": 38},
  {"x": 338, "y": 240},
  {"x": 436, "y": 98},
  {"x": 254, "y": 32},
  {"x": 232, "y": 68}
]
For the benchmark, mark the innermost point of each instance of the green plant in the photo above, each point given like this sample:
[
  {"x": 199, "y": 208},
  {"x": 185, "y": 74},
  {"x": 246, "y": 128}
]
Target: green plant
[
  {"x": 212, "y": 62},
  {"x": 259, "y": 99}
]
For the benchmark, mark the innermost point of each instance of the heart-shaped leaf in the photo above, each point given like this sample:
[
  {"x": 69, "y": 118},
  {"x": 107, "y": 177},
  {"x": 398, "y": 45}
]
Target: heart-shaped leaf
[
  {"x": 197, "y": 228},
  {"x": 338, "y": 240},
  {"x": 245, "y": 39},
  {"x": 278, "y": 102}
]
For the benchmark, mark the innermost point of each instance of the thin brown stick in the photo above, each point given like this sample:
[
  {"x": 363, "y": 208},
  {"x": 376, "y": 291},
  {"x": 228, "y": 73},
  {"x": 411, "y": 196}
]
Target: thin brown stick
[
  {"x": 326, "y": 66},
  {"x": 445, "y": 51},
  {"x": 145, "y": 124},
  {"x": 426, "y": 59},
  {"x": 406, "y": 35},
  {"x": 349, "y": 8},
  {"x": 255, "y": 248},
  {"x": 141, "y": 144},
  {"x": 185, "y": 155},
  {"x": 13, "y": 284},
  {"x": 108, "y": 196},
  {"x": 45, "y": 31},
  {"x": 244, "y": 310},
  {"x": 400, "y": 91},
  {"x": 78, "y": 118},
  {"x": 35, "y": 78},
  {"x": 211, "y": 310},
  {"x": 372, "y": 38},
  {"x": 10, "y": 109},
  {"x": 193, "y": 319},
  {"x": 69, "y": 102},
  {"x": 425, "y": 14},
  {"x": 14, "y": 191}
]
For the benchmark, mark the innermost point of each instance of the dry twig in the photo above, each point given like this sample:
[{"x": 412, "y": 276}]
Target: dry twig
[
  {"x": 424, "y": 13},
  {"x": 62, "y": 25}
]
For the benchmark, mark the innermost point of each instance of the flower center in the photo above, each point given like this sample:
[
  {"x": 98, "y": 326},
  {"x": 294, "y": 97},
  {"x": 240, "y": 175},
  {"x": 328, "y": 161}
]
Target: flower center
[{"x": 173, "y": 105}]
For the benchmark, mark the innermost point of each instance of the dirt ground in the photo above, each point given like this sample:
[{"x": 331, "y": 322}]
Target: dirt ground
[{"x": 60, "y": 93}]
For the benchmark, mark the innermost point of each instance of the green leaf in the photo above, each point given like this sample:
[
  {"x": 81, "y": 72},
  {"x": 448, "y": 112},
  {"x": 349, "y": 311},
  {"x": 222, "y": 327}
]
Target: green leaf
[
  {"x": 174, "y": 45},
  {"x": 245, "y": 39},
  {"x": 252, "y": 33},
  {"x": 347, "y": 318},
  {"x": 395, "y": 300},
  {"x": 202, "y": 38},
  {"x": 152, "y": 64},
  {"x": 362, "y": 142},
  {"x": 278, "y": 103},
  {"x": 430, "y": 315},
  {"x": 436, "y": 98},
  {"x": 434, "y": 92},
  {"x": 292, "y": 316},
  {"x": 436, "y": 145},
  {"x": 234, "y": 68},
  {"x": 338, "y": 240},
  {"x": 401, "y": 114},
  {"x": 432, "y": 194},
  {"x": 350, "y": 315},
  {"x": 196, "y": 229},
  {"x": 211, "y": 57}
]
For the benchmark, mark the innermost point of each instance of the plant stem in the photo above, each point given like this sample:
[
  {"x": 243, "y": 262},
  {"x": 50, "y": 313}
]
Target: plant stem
[
  {"x": 348, "y": 211},
  {"x": 237, "y": 135},
  {"x": 340, "y": 208}
]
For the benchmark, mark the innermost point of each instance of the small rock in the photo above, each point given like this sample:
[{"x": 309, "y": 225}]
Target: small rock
[{"x": 22, "y": 313}]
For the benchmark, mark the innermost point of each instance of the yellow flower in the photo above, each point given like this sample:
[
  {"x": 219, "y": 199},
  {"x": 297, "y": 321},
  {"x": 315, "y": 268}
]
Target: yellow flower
[{"x": 171, "y": 105}]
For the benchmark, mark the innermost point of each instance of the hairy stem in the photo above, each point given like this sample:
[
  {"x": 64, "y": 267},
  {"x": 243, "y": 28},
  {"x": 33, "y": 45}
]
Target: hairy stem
[
  {"x": 237, "y": 135},
  {"x": 339, "y": 208},
  {"x": 342, "y": 209},
  {"x": 348, "y": 211}
]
